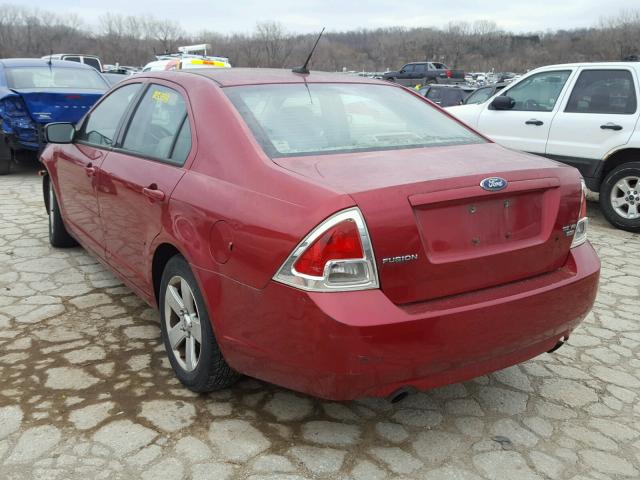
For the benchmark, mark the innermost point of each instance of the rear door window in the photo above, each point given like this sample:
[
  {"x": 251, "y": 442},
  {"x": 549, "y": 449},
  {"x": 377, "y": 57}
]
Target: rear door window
[
  {"x": 603, "y": 91},
  {"x": 155, "y": 125},
  {"x": 101, "y": 125}
]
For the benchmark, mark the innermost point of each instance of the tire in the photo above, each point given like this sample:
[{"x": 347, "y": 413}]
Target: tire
[
  {"x": 617, "y": 206},
  {"x": 391, "y": 79},
  {"x": 184, "y": 317},
  {"x": 5, "y": 157},
  {"x": 58, "y": 235}
]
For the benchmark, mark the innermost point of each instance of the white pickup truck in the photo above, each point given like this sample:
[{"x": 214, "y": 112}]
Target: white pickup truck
[{"x": 585, "y": 115}]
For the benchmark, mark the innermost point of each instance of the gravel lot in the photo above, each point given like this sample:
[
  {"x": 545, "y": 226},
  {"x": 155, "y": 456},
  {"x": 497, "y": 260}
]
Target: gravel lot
[{"x": 86, "y": 392}]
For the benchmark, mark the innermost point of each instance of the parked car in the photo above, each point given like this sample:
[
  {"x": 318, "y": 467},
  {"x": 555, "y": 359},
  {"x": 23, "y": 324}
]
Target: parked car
[
  {"x": 584, "y": 115},
  {"x": 35, "y": 92},
  {"x": 91, "y": 60},
  {"x": 337, "y": 235},
  {"x": 482, "y": 94},
  {"x": 446, "y": 95},
  {"x": 185, "y": 62},
  {"x": 423, "y": 73},
  {"x": 113, "y": 78}
]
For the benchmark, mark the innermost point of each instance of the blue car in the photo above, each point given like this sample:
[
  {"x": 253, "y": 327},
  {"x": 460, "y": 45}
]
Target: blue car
[{"x": 34, "y": 92}]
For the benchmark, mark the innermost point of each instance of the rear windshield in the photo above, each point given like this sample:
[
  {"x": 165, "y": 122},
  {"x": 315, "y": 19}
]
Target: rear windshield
[
  {"x": 49, "y": 78},
  {"x": 307, "y": 119},
  {"x": 447, "y": 96}
]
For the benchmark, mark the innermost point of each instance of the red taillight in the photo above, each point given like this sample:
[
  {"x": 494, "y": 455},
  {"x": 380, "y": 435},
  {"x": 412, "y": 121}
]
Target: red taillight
[
  {"x": 580, "y": 230},
  {"x": 340, "y": 242},
  {"x": 449, "y": 74},
  {"x": 583, "y": 204}
]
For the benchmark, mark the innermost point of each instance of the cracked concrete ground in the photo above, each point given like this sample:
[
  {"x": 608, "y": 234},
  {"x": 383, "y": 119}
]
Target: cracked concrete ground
[{"x": 86, "y": 390}]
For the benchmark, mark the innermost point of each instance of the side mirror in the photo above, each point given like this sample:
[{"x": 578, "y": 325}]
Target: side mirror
[
  {"x": 59, "y": 132},
  {"x": 503, "y": 103}
]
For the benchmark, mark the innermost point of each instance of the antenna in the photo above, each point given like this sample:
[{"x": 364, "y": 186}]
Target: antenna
[
  {"x": 303, "y": 69},
  {"x": 50, "y": 55}
]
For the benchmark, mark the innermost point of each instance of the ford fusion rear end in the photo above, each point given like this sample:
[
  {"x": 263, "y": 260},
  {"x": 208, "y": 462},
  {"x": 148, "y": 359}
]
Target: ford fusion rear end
[{"x": 457, "y": 258}]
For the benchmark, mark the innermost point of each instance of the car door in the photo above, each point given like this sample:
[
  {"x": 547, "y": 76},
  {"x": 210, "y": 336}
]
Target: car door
[
  {"x": 139, "y": 176},
  {"x": 536, "y": 101},
  {"x": 406, "y": 75},
  {"x": 419, "y": 74},
  {"x": 598, "y": 117},
  {"x": 78, "y": 165}
]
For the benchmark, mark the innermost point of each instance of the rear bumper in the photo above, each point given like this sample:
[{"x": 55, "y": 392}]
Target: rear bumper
[{"x": 342, "y": 346}]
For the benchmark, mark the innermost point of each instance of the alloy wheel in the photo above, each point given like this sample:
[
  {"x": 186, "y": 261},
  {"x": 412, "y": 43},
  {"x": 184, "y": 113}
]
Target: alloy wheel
[
  {"x": 182, "y": 323},
  {"x": 625, "y": 197}
]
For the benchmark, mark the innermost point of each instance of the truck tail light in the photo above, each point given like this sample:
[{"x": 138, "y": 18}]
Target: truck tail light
[
  {"x": 580, "y": 235},
  {"x": 449, "y": 73},
  {"x": 336, "y": 256}
]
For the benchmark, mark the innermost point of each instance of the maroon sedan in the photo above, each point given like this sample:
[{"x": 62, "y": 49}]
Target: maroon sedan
[{"x": 338, "y": 236}]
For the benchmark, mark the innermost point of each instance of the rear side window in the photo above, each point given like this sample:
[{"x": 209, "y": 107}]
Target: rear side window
[
  {"x": 72, "y": 59},
  {"x": 539, "y": 92},
  {"x": 603, "y": 91},
  {"x": 156, "y": 123},
  {"x": 92, "y": 62},
  {"x": 101, "y": 125},
  {"x": 182, "y": 146}
]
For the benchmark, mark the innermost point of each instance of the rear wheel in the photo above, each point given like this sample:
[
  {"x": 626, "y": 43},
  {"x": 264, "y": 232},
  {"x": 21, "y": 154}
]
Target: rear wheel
[
  {"x": 58, "y": 234},
  {"x": 620, "y": 197},
  {"x": 187, "y": 333},
  {"x": 5, "y": 157}
]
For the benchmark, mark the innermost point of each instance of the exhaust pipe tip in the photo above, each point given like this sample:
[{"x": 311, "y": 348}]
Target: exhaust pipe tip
[
  {"x": 560, "y": 343},
  {"x": 400, "y": 394}
]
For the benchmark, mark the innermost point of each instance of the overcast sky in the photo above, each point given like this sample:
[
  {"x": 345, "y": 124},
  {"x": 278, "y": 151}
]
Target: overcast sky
[{"x": 336, "y": 15}]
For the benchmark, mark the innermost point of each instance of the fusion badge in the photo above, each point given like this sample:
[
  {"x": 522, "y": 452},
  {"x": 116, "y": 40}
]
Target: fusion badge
[
  {"x": 400, "y": 259},
  {"x": 493, "y": 184}
]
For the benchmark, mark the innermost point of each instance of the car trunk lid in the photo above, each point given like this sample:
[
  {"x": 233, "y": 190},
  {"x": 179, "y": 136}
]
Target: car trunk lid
[
  {"x": 436, "y": 232},
  {"x": 63, "y": 105}
]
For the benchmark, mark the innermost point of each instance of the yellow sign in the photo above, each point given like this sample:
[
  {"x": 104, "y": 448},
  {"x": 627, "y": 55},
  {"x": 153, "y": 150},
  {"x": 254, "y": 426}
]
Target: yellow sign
[{"x": 159, "y": 96}]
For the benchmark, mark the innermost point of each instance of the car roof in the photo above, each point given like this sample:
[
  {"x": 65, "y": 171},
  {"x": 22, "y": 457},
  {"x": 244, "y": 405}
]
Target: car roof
[
  {"x": 590, "y": 64},
  {"x": 40, "y": 62},
  {"x": 226, "y": 77},
  {"x": 73, "y": 55}
]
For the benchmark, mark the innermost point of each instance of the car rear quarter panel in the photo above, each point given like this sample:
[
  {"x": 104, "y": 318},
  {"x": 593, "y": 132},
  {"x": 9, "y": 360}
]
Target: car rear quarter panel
[{"x": 235, "y": 212}]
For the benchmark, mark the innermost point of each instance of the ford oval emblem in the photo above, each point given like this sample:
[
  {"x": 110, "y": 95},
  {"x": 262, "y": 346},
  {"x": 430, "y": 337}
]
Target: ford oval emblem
[{"x": 493, "y": 184}]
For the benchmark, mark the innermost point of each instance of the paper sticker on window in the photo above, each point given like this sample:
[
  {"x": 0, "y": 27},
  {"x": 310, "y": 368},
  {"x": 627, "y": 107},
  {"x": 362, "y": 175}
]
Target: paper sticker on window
[{"x": 159, "y": 96}]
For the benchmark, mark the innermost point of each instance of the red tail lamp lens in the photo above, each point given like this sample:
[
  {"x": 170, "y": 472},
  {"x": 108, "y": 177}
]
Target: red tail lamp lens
[
  {"x": 583, "y": 206},
  {"x": 340, "y": 242}
]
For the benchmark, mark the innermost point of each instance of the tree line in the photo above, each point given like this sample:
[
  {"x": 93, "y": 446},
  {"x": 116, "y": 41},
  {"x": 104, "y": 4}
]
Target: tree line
[{"x": 477, "y": 46}]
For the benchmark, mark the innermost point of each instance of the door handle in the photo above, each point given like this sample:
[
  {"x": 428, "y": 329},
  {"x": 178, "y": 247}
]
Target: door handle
[
  {"x": 153, "y": 193},
  {"x": 534, "y": 121},
  {"x": 89, "y": 170},
  {"x": 611, "y": 126}
]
